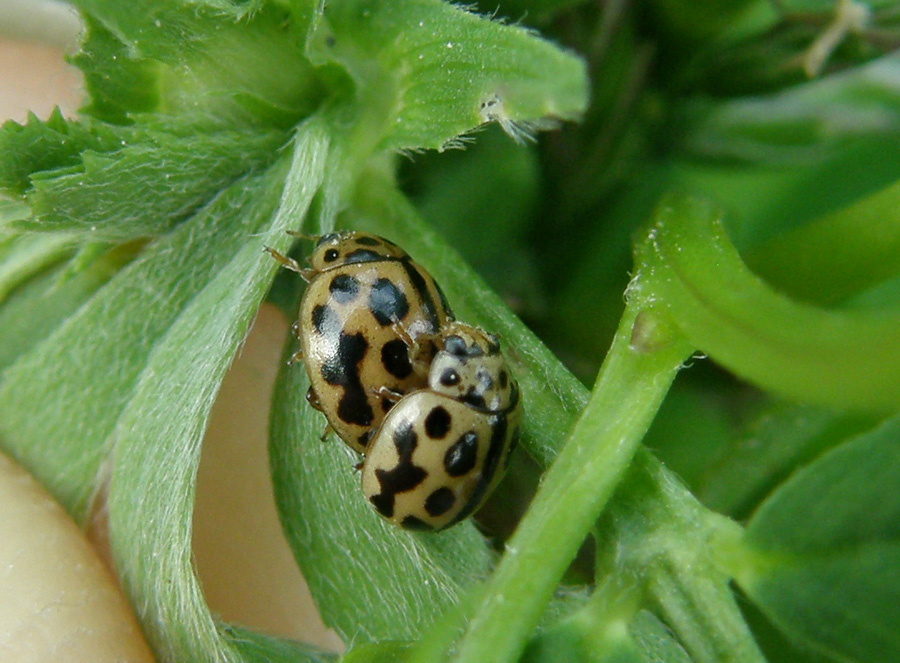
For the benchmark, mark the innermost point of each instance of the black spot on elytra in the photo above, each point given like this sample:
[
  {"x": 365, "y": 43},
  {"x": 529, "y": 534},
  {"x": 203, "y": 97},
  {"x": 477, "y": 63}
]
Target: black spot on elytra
[
  {"x": 395, "y": 358},
  {"x": 344, "y": 288},
  {"x": 499, "y": 426},
  {"x": 368, "y": 241},
  {"x": 449, "y": 377},
  {"x": 437, "y": 423},
  {"x": 403, "y": 476},
  {"x": 504, "y": 379},
  {"x": 413, "y": 523},
  {"x": 342, "y": 369},
  {"x": 325, "y": 321},
  {"x": 493, "y": 345},
  {"x": 440, "y": 502},
  {"x": 461, "y": 457},
  {"x": 363, "y": 440},
  {"x": 420, "y": 287},
  {"x": 387, "y": 303}
]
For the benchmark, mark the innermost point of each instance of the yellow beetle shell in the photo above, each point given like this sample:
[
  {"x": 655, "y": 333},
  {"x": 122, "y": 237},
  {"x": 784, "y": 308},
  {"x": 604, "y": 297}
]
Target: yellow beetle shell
[{"x": 355, "y": 325}]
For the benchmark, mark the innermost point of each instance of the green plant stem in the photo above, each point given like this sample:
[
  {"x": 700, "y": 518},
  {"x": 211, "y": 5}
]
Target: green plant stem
[
  {"x": 703, "y": 612},
  {"x": 678, "y": 552},
  {"x": 632, "y": 383}
]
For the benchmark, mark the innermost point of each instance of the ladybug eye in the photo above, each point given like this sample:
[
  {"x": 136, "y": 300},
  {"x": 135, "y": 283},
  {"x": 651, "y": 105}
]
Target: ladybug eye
[
  {"x": 449, "y": 377},
  {"x": 331, "y": 255}
]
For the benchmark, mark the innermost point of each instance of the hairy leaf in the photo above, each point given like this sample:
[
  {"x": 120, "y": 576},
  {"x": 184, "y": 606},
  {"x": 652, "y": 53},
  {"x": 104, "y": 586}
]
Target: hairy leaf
[{"x": 436, "y": 71}]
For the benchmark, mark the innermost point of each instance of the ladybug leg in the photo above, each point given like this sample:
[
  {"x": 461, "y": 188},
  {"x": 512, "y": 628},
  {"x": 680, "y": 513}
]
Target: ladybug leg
[
  {"x": 421, "y": 348},
  {"x": 314, "y": 403},
  {"x": 313, "y": 400},
  {"x": 306, "y": 273},
  {"x": 389, "y": 394},
  {"x": 290, "y": 263},
  {"x": 297, "y": 356},
  {"x": 312, "y": 238}
]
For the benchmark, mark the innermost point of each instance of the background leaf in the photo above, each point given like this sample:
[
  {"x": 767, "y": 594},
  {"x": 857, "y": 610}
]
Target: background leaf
[
  {"x": 146, "y": 188},
  {"x": 439, "y": 71},
  {"x": 90, "y": 380},
  {"x": 157, "y": 435},
  {"x": 781, "y": 439},
  {"x": 819, "y": 556}
]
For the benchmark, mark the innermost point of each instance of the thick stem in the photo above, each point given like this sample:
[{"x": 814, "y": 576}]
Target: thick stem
[{"x": 632, "y": 383}]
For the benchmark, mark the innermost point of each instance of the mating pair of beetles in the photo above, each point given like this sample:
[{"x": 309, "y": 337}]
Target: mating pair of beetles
[{"x": 428, "y": 401}]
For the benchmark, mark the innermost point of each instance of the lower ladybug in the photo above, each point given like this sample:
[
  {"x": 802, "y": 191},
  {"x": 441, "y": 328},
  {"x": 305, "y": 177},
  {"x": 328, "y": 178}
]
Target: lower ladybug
[{"x": 440, "y": 451}]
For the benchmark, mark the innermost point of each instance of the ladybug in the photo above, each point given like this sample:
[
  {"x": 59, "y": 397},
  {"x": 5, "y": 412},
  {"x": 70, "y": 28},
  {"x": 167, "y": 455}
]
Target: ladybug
[
  {"x": 366, "y": 327},
  {"x": 440, "y": 451}
]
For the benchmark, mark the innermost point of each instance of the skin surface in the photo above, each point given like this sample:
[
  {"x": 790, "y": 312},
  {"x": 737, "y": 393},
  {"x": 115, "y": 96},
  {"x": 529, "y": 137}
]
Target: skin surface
[{"x": 60, "y": 603}]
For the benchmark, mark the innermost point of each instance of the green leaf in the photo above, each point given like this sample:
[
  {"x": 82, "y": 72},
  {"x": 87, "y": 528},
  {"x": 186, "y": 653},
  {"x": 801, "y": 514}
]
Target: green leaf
[
  {"x": 37, "y": 307},
  {"x": 146, "y": 188},
  {"x": 12, "y": 211},
  {"x": 781, "y": 439},
  {"x": 233, "y": 62},
  {"x": 804, "y": 123},
  {"x": 253, "y": 647},
  {"x": 820, "y": 555},
  {"x": 428, "y": 71},
  {"x": 849, "y": 359},
  {"x": 837, "y": 256},
  {"x": 26, "y": 255},
  {"x": 371, "y": 581},
  {"x": 118, "y": 82},
  {"x": 57, "y": 143},
  {"x": 382, "y": 652},
  {"x": 90, "y": 380},
  {"x": 157, "y": 433}
]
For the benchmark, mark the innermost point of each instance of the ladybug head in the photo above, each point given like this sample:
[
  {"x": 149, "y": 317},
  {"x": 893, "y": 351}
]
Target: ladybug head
[
  {"x": 469, "y": 368},
  {"x": 352, "y": 246}
]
